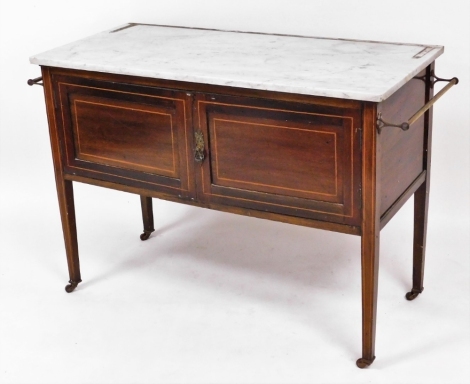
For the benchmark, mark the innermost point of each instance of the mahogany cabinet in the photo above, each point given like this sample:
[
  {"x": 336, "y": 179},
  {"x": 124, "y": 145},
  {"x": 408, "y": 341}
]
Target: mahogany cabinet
[
  {"x": 294, "y": 158},
  {"x": 323, "y": 156}
]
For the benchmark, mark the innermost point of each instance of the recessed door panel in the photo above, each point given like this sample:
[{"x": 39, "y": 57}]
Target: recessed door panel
[
  {"x": 114, "y": 133},
  {"x": 275, "y": 159},
  {"x": 127, "y": 133},
  {"x": 285, "y": 158}
]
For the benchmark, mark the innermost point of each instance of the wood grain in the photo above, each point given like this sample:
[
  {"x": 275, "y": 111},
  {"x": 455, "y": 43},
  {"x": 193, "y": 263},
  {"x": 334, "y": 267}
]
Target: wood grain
[
  {"x": 119, "y": 131},
  {"x": 421, "y": 198},
  {"x": 288, "y": 158},
  {"x": 303, "y": 160},
  {"x": 402, "y": 151},
  {"x": 370, "y": 238},
  {"x": 64, "y": 187},
  {"x": 341, "y": 228}
]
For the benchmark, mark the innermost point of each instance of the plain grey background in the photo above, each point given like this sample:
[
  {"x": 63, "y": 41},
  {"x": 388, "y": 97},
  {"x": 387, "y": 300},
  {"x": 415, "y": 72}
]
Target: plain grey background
[{"x": 213, "y": 297}]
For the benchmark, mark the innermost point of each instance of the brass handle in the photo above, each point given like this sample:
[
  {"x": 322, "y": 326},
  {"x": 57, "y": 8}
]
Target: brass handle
[{"x": 199, "y": 150}]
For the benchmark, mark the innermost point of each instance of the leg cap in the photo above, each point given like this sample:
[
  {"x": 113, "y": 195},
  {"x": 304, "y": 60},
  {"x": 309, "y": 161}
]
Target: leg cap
[
  {"x": 364, "y": 363},
  {"x": 71, "y": 287},
  {"x": 144, "y": 236},
  {"x": 413, "y": 294}
]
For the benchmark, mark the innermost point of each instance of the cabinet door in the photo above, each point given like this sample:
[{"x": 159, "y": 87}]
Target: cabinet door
[
  {"x": 126, "y": 134},
  {"x": 289, "y": 158}
]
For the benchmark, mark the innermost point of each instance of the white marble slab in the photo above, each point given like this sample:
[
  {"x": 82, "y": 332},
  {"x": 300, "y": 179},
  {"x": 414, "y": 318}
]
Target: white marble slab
[{"x": 349, "y": 69}]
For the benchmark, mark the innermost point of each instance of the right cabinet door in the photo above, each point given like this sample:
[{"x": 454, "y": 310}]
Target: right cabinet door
[{"x": 290, "y": 158}]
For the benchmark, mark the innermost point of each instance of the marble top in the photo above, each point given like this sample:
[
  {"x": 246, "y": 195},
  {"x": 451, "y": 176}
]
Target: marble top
[{"x": 340, "y": 68}]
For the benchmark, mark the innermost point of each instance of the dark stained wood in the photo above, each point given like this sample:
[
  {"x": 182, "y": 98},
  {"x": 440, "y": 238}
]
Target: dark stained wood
[
  {"x": 341, "y": 228},
  {"x": 274, "y": 155},
  {"x": 64, "y": 190},
  {"x": 207, "y": 88},
  {"x": 421, "y": 199},
  {"x": 117, "y": 133},
  {"x": 287, "y": 158},
  {"x": 370, "y": 238},
  {"x": 389, "y": 213},
  {"x": 304, "y": 160},
  {"x": 147, "y": 217},
  {"x": 124, "y": 132},
  {"x": 402, "y": 151}
]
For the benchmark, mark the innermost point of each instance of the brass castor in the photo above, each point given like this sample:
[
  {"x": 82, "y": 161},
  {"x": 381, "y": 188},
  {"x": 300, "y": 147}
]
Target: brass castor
[
  {"x": 413, "y": 294},
  {"x": 364, "y": 363},
  {"x": 144, "y": 236},
  {"x": 70, "y": 287}
]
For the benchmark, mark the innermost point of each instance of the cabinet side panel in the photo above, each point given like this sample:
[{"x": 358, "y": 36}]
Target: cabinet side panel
[{"x": 402, "y": 151}]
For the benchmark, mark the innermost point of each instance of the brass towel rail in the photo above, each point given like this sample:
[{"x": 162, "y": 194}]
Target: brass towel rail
[{"x": 406, "y": 125}]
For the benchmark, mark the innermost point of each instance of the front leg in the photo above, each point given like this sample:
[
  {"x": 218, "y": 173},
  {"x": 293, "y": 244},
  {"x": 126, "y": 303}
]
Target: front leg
[
  {"x": 370, "y": 266},
  {"x": 147, "y": 217},
  {"x": 370, "y": 235},
  {"x": 64, "y": 188},
  {"x": 69, "y": 228}
]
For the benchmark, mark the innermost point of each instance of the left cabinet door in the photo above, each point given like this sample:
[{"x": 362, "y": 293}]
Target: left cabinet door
[{"x": 125, "y": 133}]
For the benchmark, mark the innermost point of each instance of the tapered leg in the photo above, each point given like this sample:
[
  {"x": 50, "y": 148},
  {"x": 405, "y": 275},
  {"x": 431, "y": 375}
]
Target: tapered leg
[
  {"x": 421, "y": 199},
  {"x": 147, "y": 217},
  {"x": 369, "y": 265},
  {"x": 69, "y": 228},
  {"x": 64, "y": 188},
  {"x": 370, "y": 237}
]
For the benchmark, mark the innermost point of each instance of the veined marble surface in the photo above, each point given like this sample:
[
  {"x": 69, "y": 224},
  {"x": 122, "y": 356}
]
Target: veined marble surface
[{"x": 348, "y": 69}]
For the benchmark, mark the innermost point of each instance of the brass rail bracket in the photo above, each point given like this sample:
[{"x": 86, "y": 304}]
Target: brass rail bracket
[
  {"x": 382, "y": 124},
  {"x": 434, "y": 79},
  {"x": 36, "y": 81}
]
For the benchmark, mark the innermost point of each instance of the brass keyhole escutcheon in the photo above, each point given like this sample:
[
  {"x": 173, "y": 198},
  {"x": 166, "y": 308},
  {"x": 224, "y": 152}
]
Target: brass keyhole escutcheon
[{"x": 199, "y": 150}]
